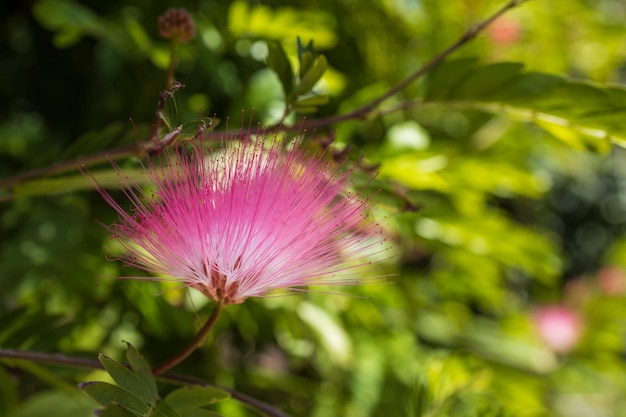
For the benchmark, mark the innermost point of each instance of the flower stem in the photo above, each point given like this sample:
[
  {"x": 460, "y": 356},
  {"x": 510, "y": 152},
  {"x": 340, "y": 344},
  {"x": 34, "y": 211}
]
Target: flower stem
[
  {"x": 200, "y": 336},
  {"x": 173, "y": 62}
]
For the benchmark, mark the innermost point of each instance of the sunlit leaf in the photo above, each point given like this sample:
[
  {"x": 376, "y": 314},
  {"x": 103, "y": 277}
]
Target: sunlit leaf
[
  {"x": 483, "y": 236},
  {"x": 114, "y": 410},
  {"x": 312, "y": 76},
  {"x": 582, "y": 114},
  {"x": 306, "y": 56},
  {"x": 106, "y": 394},
  {"x": 307, "y": 59},
  {"x": 142, "y": 370},
  {"x": 195, "y": 396},
  {"x": 128, "y": 380},
  {"x": 331, "y": 333},
  {"x": 284, "y": 23}
]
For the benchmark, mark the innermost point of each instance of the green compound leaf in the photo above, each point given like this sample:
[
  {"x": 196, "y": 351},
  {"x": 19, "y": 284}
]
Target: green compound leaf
[
  {"x": 277, "y": 60},
  {"x": 584, "y": 115},
  {"x": 142, "y": 370},
  {"x": 107, "y": 394},
  {"x": 169, "y": 113},
  {"x": 195, "y": 396},
  {"x": 128, "y": 380},
  {"x": 193, "y": 129}
]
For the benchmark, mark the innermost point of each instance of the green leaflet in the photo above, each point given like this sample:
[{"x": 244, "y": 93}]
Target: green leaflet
[
  {"x": 137, "y": 393},
  {"x": 196, "y": 396},
  {"x": 106, "y": 394},
  {"x": 142, "y": 370},
  {"x": 114, "y": 410}
]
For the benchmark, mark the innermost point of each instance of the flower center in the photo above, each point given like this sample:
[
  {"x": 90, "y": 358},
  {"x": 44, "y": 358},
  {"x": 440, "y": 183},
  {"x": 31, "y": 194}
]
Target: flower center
[{"x": 217, "y": 288}]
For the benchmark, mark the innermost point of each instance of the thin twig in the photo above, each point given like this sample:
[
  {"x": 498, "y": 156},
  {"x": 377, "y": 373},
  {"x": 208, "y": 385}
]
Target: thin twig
[
  {"x": 50, "y": 358},
  {"x": 75, "y": 164}
]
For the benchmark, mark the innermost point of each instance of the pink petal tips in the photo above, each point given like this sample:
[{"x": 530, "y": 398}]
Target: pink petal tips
[{"x": 245, "y": 219}]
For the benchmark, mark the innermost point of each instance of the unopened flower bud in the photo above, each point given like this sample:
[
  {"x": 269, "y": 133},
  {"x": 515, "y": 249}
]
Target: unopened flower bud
[{"x": 177, "y": 23}]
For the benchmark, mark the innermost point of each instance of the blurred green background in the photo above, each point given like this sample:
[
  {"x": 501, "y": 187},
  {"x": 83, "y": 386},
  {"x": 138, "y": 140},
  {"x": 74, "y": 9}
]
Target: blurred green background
[{"x": 490, "y": 218}]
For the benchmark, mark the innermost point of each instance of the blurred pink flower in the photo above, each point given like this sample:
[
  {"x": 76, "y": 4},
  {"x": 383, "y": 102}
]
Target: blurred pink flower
[
  {"x": 612, "y": 280},
  {"x": 504, "y": 31},
  {"x": 245, "y": 219},
  {"x": 560, "y": 327}
]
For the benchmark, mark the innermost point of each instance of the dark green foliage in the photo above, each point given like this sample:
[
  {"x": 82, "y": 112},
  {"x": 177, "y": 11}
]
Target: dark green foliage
[{"x": 136, "y": 392}]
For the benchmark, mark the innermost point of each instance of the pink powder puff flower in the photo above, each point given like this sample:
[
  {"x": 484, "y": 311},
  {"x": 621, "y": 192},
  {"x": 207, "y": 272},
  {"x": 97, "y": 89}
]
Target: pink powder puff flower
[
  {"x": 560, "y": 327},
  {"x": 245, "y": 219}
]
